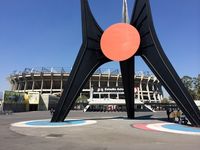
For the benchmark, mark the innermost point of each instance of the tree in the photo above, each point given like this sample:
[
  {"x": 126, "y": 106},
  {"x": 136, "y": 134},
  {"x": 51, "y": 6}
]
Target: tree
[
  {"x": 193, "y": 86},
  {"x": 165, "y": 101},
  {"x": 188, "y": 82},
  {"x": 196, "y": 82}
]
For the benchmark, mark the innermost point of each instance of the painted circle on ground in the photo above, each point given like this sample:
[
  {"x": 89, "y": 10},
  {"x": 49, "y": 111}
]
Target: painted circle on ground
[
  {"x": 120, "y": 41},
  {"x": 169, "y": 127},
  {"x": 179, "y": 127},
  {"x": 45, "y": 123}
]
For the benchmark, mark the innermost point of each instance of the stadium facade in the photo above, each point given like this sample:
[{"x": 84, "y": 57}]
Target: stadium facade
[{"x": 104, "y": 84}]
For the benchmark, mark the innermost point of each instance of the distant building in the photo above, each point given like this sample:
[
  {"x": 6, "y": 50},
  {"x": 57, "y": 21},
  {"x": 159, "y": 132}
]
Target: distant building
[{"x": 104, "y": 84}]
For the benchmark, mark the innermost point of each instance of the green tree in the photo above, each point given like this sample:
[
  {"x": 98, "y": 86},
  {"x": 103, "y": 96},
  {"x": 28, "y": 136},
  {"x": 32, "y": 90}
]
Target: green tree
[
  {"x": 188, "y": 82},
  {"x": 196, "y": 82},
  {"x": 165, "y": 101},
  {"x": 82, "y": 99}
]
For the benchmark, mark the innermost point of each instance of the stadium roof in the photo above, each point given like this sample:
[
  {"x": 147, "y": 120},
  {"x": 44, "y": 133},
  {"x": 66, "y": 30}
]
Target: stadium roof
[{"x": 36, "y": 70}]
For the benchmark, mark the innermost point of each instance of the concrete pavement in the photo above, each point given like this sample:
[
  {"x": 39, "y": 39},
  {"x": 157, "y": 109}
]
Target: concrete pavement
[{"x": 111, "y": 132}]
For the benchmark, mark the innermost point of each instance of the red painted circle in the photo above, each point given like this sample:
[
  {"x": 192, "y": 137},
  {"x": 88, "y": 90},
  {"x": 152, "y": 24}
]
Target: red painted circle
[{"x": 120, "y": 41}]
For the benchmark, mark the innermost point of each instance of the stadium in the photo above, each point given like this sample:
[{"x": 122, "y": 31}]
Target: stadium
[{"x": 105, "y": 87}]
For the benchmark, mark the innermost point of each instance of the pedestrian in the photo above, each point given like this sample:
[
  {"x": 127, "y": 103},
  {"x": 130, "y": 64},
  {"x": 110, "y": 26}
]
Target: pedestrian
[
  {"x": 172, "y": 116},
  {"x": 168, "y": 113},
  {"x": 52, "y": 111},
  {"x": 183, "y": 119},
  {"x": 178, "y": 115}
]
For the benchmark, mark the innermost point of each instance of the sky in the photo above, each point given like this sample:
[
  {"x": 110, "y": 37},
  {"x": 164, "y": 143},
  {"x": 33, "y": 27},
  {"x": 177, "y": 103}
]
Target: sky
[{"x": 47, "y": 33}]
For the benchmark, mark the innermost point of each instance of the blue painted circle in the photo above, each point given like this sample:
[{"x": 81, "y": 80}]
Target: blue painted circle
[
  {"x": 48, "y": 123},
  {"x": 181, "y": 128}
]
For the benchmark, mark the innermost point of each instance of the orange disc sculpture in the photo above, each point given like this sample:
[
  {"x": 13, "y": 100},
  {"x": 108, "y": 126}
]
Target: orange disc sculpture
[{"x": 120, "y": 41}]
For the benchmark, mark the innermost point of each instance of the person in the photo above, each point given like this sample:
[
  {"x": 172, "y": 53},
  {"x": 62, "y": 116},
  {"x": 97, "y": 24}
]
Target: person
[
  {"x": 178, "y": 115},
  {"x": 168, "y": 113},
  {"x": 52, "y": 111},
  {"x": 172, "y": 116},
  {"x": 183, "y": 119}
]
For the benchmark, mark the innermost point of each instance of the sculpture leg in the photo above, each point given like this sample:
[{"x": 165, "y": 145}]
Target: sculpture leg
[
  {"x": 154, "y": 56},
  {"x": 88, "y": 60},
  {"x": 84, "y": 66},
  {"x": 161, "y": 67},
  {"x": 127, "y": 70}
]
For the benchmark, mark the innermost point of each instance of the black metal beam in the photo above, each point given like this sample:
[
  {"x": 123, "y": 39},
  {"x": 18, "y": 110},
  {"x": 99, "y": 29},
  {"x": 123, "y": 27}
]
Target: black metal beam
[
  {"x": 127, "y": 71},
  {"x": 152, "y": 53},
  {"x": 88, "y": 60}
]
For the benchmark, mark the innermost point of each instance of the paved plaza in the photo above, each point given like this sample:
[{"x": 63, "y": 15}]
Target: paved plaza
[{"x": 109, "y": 131}]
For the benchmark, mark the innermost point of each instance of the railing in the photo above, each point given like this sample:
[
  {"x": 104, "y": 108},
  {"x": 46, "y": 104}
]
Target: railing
[{"x": 38, "y": 70}]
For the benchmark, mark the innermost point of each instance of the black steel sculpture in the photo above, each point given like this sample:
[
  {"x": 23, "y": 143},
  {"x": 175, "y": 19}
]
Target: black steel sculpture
[{"x": 90, "y": 57}]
